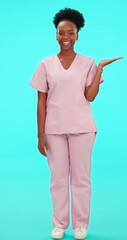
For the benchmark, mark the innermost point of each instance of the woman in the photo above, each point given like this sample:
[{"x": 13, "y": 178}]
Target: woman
[{"x": 66, "y": 83}]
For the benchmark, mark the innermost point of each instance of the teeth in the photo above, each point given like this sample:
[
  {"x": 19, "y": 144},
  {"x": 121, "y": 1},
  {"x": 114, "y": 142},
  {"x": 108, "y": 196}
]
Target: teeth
[{"x": 66, "y": 42}]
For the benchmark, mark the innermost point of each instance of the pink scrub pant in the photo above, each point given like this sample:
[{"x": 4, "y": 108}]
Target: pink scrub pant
[{"x": 69, "y": 159}]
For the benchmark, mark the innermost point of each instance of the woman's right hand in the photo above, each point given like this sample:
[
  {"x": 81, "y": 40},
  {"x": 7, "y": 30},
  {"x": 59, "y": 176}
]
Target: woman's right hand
[{"x": 42, "y": 145}]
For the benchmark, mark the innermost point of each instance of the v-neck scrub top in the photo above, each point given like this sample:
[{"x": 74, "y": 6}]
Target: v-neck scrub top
[{"x": 67, "y": 109}]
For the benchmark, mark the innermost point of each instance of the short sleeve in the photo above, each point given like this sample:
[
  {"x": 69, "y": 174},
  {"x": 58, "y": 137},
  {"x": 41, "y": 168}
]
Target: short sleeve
[
  {"x": 39, "y": 80},
  {"x": 91, "y": 74}
]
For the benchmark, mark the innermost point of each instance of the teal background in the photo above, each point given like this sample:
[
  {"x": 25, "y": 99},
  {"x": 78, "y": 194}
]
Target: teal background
[{"x": 26, "y": 36}]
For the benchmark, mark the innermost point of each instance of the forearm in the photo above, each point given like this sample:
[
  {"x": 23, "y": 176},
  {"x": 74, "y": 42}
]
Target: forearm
[
  {"x": 41, "y": 115},
  {"x": 92, "y": 90}
]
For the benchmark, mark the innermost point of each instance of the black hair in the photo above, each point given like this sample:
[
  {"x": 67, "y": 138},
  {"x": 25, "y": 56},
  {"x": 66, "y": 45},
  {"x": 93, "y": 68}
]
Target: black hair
[{"x": 69, "y": 14}]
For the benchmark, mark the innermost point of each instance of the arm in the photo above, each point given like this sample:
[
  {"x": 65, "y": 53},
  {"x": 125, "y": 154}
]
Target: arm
[
  {"x": 41, "y": 115},
  {"x": 92, "y": 90}
]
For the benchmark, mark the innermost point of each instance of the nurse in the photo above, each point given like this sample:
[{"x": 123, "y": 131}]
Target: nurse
[{"x": 66, "y": 83}]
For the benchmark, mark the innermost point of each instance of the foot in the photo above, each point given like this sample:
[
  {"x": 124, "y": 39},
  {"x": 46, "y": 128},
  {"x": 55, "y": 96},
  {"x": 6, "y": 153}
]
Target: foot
[
  {"x": 57, "y": 233},
  {"x": 80, "y": 233}
]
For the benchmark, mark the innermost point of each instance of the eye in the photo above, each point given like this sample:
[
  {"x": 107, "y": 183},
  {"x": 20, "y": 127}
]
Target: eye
[
  {"x": 60, "y": 33},
  {"x": 71, "y": 33}
]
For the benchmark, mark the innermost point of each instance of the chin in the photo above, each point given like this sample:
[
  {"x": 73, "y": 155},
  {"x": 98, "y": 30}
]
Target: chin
[{"x": 66, "y": 47}]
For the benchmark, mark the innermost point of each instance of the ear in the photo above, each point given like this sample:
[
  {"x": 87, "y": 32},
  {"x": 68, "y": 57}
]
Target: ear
[{"x": 77, "y": 37}]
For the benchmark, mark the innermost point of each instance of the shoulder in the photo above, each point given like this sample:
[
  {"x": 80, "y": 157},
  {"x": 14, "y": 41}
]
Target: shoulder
[
  {"x": 47, "y": 60},
  {"x": 86, "y": 58},
  {"x": 86, "y": 61}
]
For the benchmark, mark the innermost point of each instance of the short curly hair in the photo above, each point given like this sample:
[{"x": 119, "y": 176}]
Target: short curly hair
[{"x": 69, "y": 14}]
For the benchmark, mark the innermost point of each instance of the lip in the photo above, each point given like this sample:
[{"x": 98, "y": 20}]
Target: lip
[{"x": 65, "y": 43}]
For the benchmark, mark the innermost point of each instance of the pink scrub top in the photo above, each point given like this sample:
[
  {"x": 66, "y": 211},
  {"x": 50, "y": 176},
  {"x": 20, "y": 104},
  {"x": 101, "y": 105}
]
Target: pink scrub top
[{"x": 67, "y": 109}]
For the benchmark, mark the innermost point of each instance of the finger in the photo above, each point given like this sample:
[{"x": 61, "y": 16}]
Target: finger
[
  {"x": 45, "y": 149},
  {"x": 119, "y": 57},
  {"x": 42, "y": 151},
  {"x": 108, "y": 61},
  {"x": 114, "y": 59},
  {"x": 46, "y": 146}
]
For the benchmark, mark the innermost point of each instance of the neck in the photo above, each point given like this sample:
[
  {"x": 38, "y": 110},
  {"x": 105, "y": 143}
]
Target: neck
[{"x": 67, "y": 53}]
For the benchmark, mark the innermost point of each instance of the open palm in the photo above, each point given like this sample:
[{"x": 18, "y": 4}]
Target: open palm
[{"x": 105, "y": 62}]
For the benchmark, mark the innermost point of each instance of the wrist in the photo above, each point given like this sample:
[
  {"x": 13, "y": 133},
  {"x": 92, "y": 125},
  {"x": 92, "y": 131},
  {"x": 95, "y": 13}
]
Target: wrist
[
  {"x": 41, "y": 135},
  {"x": 100, "y": 68}
]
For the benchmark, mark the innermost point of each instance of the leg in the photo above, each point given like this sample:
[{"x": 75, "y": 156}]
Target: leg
[
  {"x": 80, "y": 147},
  {"x": 58, "y": 162}
]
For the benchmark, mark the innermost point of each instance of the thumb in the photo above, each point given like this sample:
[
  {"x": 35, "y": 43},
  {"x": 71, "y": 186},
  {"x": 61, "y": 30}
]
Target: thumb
[{"x": 46, "y": 146}]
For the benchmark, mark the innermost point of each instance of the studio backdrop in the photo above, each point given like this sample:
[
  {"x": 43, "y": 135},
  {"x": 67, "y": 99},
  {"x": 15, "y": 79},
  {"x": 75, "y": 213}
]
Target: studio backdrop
[{"x": 27, "y": 35}]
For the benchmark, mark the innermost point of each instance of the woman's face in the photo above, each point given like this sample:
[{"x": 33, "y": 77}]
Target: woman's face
[{"x": 66, "y": 34}]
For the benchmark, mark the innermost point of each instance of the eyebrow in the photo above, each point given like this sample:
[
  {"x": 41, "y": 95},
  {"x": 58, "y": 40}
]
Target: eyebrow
[
  {"x": 58, "y": 30},
  {"x": 69, "y": 29}
]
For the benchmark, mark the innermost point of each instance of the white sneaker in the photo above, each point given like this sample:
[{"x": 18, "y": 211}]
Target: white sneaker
[
  {"x": 80, "y": 233},
  {"x": 57, "y": 233}
]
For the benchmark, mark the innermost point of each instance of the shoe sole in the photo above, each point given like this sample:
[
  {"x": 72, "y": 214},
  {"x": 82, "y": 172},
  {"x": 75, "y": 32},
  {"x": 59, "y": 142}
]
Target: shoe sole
[{"x": 57, "y": 237}]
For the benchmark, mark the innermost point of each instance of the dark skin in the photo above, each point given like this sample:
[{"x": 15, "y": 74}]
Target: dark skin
[{"x": 66, "y": 36}]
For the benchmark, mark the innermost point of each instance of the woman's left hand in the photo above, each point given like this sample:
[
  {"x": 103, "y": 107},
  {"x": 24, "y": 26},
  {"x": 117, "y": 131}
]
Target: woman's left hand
[{"x": 105, "y": 62}]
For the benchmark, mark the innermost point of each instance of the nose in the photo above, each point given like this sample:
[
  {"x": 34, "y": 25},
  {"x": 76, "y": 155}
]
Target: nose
[{"x": 66, "y": 36}]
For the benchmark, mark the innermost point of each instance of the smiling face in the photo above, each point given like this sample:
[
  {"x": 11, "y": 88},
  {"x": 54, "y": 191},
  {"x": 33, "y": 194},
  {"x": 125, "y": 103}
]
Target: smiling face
[{"x": 66, "y": 34}]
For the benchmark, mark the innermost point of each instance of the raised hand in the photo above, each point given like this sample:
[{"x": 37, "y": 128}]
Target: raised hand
[{"x": 105, "y": 62}]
